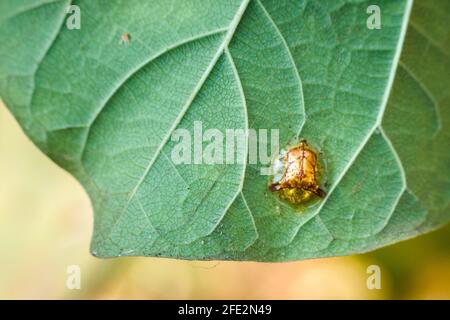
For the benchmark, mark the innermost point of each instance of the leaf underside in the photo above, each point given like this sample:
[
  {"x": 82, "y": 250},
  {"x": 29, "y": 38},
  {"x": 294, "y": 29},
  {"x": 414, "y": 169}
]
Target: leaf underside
[{"x": 376, "y": 102}]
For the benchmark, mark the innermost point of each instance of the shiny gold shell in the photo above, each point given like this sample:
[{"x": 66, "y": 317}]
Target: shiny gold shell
[{"x": 300, "y": 178}]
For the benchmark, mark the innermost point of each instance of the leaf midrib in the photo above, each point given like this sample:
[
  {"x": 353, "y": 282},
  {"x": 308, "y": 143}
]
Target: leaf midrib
[{"x": 221, "y": 50}]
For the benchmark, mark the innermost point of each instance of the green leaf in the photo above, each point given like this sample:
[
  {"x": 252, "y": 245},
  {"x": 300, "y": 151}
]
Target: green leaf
[{"x": 374, "y": 101}]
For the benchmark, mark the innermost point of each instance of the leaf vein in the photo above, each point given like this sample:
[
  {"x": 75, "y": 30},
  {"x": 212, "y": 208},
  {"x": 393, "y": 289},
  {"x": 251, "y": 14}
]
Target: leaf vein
[{"x": 379, "y": 118}]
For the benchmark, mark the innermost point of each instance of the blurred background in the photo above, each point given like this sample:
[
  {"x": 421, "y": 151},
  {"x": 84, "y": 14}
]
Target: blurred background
[{"x": 46, "y": 224}]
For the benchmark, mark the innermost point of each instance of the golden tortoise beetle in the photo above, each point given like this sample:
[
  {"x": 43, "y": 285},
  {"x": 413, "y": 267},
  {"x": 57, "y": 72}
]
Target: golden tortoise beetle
[{"x": 300, "y": 179}]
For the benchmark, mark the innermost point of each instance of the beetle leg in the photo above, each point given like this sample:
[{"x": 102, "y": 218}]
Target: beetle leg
[
  {"x": 275, "y": 187},
  {"x": 320, "y": 193}
]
